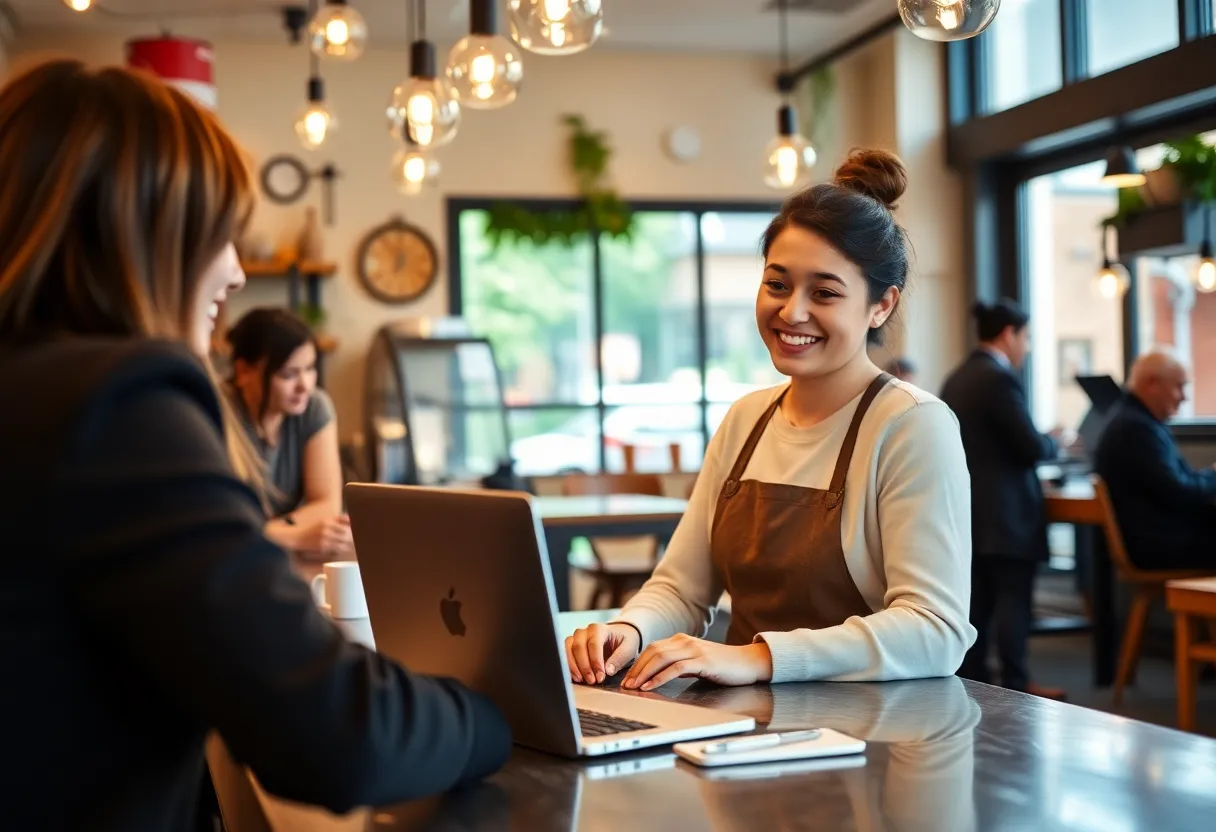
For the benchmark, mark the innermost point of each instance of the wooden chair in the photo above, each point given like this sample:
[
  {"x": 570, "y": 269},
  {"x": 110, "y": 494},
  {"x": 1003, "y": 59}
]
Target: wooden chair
[
  {"x": 620, "y": 565},
  {"x": 1192, "y": 601},
  {"x": 630, "y": 452},
  {"x": 1148, "y": 584}
]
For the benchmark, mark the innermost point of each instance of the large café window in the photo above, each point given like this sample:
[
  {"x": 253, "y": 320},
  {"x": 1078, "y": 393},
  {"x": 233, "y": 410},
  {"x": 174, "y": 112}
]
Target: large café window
[
  {"x": 1075, "y": 328},
  {"x": 661, "y": 377}
]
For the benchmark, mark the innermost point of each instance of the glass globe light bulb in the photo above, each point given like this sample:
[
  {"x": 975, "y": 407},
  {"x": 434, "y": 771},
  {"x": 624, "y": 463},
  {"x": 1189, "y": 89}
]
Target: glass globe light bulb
[
  {"x": 424, "y": 112},
  {"x": 337, "y": 32},
  {"x": 556, "y": 27},
  {"x": 944, "y": 20},
  {"x": 315, "y": 124},
  {"x": 78, "y": 5},
  {"x": 485, "y": 71},
  {"x": 1112, "y": 281},
  {"x": 414, "y": 169},
  {"x": 789, "y": 157},
  {"x": 1205, "y": 275}
]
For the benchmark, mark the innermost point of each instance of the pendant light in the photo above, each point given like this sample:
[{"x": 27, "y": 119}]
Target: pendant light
[
  {"x": 1121, "y": 168},
  {"x": 789, "y": 156},
  {"x": 485, "y": 68},
  {"x": 78, "y": 5},
  {"x": 414, "y": 169},
  {"x": 556, "y": 27},
  {"x": 1112, "y": 281},
  {"x": 338, "y": 32},
  {"x": 315, "y": 122},
  {"x": 944, "y": 20},
  {"x": 423, "y": 108},
  {"x": 1205, "y": 271}
]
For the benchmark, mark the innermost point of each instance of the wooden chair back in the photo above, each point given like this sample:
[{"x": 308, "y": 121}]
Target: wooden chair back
[
  {"x": 1114, "y": 535},
  {"x": 583, "y": 485},
  {"x": 674, "y": 455}
]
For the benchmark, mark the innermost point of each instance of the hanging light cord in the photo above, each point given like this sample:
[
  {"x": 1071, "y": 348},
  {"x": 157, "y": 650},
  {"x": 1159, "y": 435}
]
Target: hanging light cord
[
  {"x": 421, "y": 19},
  {"x": 783, "y": 24},
  {"x": 314, "y": 65}
]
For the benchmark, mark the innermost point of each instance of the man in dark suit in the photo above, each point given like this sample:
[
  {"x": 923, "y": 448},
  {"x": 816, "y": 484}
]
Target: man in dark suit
[
  {"x": 1008, "y": 527},
  {"x": 1166, "y": 509}
]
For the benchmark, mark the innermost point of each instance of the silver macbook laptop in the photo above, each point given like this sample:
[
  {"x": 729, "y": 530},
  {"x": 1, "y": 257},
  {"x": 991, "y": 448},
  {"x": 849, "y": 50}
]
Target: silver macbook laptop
[{"x": 458, "y": 585}]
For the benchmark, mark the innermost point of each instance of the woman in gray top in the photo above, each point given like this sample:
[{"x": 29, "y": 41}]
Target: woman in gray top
[{"x": 290, "y": 422}]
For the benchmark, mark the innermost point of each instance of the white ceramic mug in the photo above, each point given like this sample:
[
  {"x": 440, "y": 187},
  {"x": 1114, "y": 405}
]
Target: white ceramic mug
[{"x": 338, "y": 590}]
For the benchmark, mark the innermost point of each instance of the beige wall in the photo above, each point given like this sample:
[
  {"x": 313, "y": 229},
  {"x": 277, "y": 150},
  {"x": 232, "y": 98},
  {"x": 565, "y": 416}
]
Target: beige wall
[{"x": 519, "y": 151}]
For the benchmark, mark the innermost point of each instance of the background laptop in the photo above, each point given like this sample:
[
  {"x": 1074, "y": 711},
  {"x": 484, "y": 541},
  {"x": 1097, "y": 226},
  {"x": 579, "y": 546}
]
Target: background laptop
[
  {"x": 458, "y": 585},
  {"x": 1104, "y": 393}
]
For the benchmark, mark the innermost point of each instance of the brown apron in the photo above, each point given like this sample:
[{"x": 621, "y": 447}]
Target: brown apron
[{"x": 778, "y": 547}]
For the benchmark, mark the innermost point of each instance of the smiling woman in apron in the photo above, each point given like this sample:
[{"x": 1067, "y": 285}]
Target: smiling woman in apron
[{"x": 834, "y": 509}]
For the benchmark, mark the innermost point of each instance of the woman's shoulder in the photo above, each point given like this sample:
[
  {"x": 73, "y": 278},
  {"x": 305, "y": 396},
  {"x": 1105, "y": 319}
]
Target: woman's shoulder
[
  {"x": 73, "y": 389},
  {"x": 907, "y": 404},
  {"x": 912, "y": 424},
  {"x": 94, "y": 370}
]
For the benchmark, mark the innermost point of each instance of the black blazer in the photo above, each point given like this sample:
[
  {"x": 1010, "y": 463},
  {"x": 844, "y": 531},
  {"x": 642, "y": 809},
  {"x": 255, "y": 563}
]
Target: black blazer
[
  {"x": 1164, "y": 506},
  {"x": 1002, "y": 447},
  {"x": 141, "y": 607}
]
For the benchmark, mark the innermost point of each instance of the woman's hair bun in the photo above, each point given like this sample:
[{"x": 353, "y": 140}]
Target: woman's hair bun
[{"x": 878, "y": 174}]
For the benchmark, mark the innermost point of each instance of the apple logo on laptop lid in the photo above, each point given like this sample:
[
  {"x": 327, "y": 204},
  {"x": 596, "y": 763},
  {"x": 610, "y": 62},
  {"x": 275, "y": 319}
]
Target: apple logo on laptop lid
[{"x": 449, "y": 609}]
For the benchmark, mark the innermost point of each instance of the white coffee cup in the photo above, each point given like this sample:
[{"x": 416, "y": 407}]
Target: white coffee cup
[{"x": 338, "y": 590}]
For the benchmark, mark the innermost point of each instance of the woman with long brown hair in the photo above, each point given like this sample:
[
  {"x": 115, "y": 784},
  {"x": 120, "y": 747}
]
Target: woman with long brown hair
[{"x": 142, "y": 605}]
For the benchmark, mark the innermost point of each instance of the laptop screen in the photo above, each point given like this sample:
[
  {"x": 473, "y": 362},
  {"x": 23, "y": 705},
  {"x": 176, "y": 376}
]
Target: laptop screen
[{"x": 1104, "y": 393}]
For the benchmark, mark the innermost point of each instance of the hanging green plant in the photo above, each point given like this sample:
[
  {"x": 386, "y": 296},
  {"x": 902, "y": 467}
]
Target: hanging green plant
[{"x": 600, "y": 208}]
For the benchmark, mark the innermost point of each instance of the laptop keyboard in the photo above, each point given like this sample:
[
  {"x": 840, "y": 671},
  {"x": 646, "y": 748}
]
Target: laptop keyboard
[{"x": 595, "y": 724}]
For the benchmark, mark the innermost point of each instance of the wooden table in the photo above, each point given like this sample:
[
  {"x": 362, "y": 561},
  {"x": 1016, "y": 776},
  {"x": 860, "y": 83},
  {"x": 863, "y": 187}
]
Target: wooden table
[
  {"x": 1076, "y": 503},
  {"x": 942, "y": 754},
  {"x": 612, "y": 515},
  {"x": 1192, "y": 601}
]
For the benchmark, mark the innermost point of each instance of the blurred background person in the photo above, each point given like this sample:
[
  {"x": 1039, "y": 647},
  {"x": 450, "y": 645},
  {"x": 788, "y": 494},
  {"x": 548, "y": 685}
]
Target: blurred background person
[
  {"x": 1166, "y": 509},
  {"x": 1008, "y": 525},
  {"x": 290, "y": 421}
]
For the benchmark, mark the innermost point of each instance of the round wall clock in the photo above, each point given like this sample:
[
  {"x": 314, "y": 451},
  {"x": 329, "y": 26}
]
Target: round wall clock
[
  {"x": 284, "y": 179},
  {"x": 397, "y": 262}
]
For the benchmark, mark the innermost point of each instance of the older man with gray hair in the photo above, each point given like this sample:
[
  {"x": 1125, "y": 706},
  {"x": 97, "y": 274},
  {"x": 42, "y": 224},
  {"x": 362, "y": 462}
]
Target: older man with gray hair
[{"x": 1166, "y": 508}]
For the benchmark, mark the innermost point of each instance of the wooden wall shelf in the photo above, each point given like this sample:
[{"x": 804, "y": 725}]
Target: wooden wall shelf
[{"x": 278, "y": 268}]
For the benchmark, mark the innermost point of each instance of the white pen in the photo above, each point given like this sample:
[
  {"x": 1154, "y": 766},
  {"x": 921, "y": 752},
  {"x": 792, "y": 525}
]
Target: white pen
[{"x": 760, "y": 741}]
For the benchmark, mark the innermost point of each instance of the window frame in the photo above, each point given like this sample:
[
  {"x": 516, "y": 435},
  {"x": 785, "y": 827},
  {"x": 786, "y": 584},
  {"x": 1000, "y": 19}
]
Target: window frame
[{"x": 456, "y": 205}]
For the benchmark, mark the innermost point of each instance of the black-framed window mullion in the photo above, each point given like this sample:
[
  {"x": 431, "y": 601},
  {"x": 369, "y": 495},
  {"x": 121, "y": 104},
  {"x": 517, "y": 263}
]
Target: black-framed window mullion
[
  {"x": 1194, "y": 19},
  {"x": 1131, "y": 321},
  {"x": 702, "y": 330},
  {"x": 981, "y": 94},
  {"x": 597, "y": 293},
  {"x": 961, "y": 85},
  {"x": 1074, "y": 40}
]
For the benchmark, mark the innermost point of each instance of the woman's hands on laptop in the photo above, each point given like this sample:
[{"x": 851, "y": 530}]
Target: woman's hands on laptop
[
  {"x": 596, "y": 652},
  {"x": 684, "y": 655}
]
